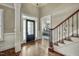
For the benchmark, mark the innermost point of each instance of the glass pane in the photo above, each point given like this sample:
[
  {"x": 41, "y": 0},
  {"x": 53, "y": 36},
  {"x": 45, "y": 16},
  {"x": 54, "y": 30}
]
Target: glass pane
[
  {"x": 0, "y": 28},
  {"x": 30, "y": 28},
  {"x": 24, "y": 29},
  {"x": 0, "y": 32},
  {"x": 0, "y": 22}
]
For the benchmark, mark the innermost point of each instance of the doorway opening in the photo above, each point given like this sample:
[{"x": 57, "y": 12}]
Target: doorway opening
[{"x": 30, "y": 30}]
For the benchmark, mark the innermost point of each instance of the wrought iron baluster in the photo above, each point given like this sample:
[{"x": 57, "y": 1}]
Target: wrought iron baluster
[
  {"x": 62, "y": 33},
  {"x": 77, "y": 23},
  {"x": 72, "y": 26},
  {"x": 68, "y": 29},
  {"x": 57, "y": 33},
  {"x": 65, "y": 30}
]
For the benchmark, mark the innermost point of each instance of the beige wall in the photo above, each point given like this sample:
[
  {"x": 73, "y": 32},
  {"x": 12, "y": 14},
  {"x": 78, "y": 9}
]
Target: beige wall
[
  {"x": 49, "y": 8},
  {"x": 8, "y": 19},
  {"x": 59, "y": 12},
  {"x": 29, "y": 9},
  {"x": 9, "y": 15}
]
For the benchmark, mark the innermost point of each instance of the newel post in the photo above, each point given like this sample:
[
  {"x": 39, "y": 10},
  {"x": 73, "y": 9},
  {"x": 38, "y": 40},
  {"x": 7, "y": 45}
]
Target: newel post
[{"x": 51, "y": 48}]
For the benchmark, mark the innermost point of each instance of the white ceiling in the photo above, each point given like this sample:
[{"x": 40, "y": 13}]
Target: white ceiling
[
  {"x": 34, "y": 4},
  {"x": 39, "y": 4}
]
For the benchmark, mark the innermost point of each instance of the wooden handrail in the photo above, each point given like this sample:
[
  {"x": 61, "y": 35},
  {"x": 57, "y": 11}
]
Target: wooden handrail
[
  {"x": 67, "y": 36},
  {"x": 66, "y": 19}
]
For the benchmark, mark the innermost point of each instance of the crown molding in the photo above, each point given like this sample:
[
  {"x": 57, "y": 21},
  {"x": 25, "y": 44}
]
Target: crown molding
[{"x": 7, "y": 5}]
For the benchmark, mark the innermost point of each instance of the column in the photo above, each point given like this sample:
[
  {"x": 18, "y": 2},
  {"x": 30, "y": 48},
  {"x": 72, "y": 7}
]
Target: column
[{"x": 17, "y": 7}]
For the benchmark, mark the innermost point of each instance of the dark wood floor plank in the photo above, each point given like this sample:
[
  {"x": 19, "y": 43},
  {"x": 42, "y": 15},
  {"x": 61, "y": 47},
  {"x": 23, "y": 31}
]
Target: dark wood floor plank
[{"x": 34, "y": 48}]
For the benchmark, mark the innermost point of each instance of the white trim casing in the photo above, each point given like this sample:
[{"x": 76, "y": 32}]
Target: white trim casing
[
  {"x": 17, "y": 27},
  {"x": 24, "y": 17},
  {"x": 2, "y": 25}
]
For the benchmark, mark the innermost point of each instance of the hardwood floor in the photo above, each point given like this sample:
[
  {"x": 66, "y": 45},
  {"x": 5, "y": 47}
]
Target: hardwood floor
[
  {"x": 9, "y": 52},
  {"x": 36, "y": 48}
]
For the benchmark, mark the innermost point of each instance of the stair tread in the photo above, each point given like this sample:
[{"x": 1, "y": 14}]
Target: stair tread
[
  {"x": 75, "y": 39},
  {"x": 67, "y": 42},
  {"x": 69, "y": 49},
  {"x": 75, "y": 35},
  {"x": 60, "y": 44}
]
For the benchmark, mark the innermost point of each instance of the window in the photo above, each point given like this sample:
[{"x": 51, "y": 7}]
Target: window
[
  {"x": 24, "y": 29},
  {"x": 1, "y": 24}
]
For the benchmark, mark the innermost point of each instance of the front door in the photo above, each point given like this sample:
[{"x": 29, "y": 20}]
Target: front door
[{"x": 30, "y": 30}]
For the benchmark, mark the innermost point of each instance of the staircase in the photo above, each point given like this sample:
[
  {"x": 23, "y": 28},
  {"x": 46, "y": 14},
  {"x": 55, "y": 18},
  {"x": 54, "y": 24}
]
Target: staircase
[{"x": 65, "y": 34}]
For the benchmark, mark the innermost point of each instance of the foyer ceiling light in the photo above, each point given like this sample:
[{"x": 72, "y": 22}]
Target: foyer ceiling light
[{"x": 39, "y": 4}]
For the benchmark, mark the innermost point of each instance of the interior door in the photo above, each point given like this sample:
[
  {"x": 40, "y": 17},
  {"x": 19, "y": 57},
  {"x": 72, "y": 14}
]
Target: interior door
[{"x": 30, "y": 30}]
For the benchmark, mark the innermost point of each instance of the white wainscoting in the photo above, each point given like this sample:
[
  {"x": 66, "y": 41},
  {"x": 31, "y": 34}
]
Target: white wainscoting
[{"x": 8, "y": 42}]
